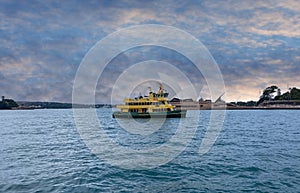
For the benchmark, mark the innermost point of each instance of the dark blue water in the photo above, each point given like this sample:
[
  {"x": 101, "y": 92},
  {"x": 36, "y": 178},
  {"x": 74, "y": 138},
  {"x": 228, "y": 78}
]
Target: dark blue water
[{"x": 42, "y": 151}]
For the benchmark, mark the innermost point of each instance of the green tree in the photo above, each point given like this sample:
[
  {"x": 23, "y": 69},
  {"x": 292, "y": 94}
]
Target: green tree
[
  {"x": 295, "y": 94},
  {"x": 268, "y": 93},
  {"x": 8, "y": 104}
]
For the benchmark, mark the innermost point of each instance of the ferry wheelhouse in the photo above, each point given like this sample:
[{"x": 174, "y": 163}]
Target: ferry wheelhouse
[{"x": 156, "y": 105}]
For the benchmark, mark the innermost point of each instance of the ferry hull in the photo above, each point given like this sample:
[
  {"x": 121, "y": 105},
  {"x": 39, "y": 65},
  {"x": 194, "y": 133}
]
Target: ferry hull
[{"x": 169, "y": 114}]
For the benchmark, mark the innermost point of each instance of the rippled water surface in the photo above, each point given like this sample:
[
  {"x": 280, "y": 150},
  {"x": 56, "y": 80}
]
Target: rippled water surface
[{"x": 42, "y": 151}]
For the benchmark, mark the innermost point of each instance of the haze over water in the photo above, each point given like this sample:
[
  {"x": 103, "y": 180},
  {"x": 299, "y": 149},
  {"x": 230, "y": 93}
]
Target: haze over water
[{"x": 41, "y": 150}]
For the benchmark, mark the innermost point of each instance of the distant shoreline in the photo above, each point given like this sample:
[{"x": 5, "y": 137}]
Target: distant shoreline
[
  {"x": 264, "y": 108},
  {"x": 202, "y": 109}
]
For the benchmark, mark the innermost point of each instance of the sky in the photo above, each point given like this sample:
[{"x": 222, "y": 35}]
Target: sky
[{"x": 256, "y": 44}]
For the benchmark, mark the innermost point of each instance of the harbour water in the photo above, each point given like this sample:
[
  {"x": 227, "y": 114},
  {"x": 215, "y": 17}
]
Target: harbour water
[{"x": 256, "y": 150}]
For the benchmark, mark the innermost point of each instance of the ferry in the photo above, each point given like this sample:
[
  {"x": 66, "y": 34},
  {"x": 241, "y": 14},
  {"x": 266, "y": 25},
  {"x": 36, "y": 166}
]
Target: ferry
[{"x": 156, "y": 105}]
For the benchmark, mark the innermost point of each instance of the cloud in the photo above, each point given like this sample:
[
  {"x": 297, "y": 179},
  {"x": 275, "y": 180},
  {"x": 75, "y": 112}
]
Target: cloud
[{"x": 43, "y": 43}]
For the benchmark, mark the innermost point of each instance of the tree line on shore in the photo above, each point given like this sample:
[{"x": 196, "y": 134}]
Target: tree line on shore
[
  {"x": 274, "y": 93},
  {"x": 8, "y": 104}
]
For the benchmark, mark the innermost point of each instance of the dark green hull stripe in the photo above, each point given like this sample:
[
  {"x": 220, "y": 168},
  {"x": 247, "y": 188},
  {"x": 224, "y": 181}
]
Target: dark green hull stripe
[{"x": 172, "y": 114}]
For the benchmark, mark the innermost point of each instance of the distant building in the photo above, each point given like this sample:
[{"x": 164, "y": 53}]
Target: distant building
[
  {"x": 190, "y": 104},
  {"x": 175, "y": 100}
]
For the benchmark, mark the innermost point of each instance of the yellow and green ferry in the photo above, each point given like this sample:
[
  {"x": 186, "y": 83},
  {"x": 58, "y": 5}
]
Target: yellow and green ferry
[{"x": 156, "y": 105}]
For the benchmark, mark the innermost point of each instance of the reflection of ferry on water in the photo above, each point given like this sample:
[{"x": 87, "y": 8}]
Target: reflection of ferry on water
[{"x": 156, "y": 105}]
